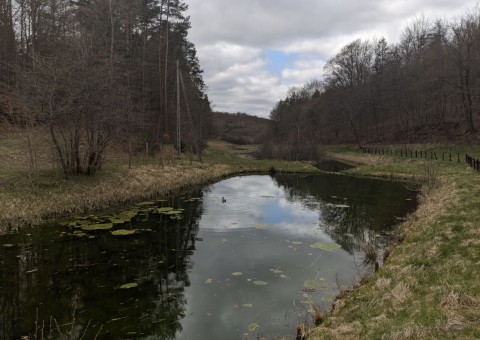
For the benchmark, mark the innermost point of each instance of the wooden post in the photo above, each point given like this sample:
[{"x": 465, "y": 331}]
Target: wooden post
[
  {"x": 179, "y": 143},
  {"x": 450, "y": 156},
  {"x": 146, "y": 149},
  {"x": 129, "y": 154}
]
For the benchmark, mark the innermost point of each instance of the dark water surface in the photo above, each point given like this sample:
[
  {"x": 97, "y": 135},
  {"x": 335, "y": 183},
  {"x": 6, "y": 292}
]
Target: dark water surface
[{"x": 245, "y": 268}]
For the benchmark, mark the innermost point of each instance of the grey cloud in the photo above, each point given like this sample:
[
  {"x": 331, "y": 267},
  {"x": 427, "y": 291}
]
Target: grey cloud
[{"x": 231, "y": 36}]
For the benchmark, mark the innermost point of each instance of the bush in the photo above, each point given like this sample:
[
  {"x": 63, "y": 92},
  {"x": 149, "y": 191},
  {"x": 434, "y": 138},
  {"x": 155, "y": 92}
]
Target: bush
[{"x": 290, "y": 152}]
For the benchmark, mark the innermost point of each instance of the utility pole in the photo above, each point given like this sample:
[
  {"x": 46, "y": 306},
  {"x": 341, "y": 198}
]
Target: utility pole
[{"x": 179, "y": 144}]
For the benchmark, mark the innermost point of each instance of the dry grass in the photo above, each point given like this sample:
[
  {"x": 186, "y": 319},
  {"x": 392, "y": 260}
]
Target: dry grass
[
  {"x": 29, "y": 195},
  {"x": 428, "y": 287}
]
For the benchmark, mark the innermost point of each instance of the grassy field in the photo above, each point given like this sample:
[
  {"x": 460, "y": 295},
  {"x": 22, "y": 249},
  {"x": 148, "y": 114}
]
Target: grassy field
[
  {"x": 32, "y": 188},
  {"x": 429, "y": 287}
]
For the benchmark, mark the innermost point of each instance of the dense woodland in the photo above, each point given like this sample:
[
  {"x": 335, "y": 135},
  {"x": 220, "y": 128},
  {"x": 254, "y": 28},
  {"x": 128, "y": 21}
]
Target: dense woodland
[
  {"x": 94, "y": 71},
  {"x": 239, "y": 128},
  {"x": 424, "y": 88}
]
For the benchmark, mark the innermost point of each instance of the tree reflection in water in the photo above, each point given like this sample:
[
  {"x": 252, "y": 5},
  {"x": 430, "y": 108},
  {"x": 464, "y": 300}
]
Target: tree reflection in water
[
  {"x": 372, "y": 206},
  {"x": 53, "y": 283}
]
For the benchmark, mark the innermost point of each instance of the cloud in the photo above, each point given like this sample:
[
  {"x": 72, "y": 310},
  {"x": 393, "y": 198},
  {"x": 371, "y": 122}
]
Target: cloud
[{"x": 252, "y": 51}]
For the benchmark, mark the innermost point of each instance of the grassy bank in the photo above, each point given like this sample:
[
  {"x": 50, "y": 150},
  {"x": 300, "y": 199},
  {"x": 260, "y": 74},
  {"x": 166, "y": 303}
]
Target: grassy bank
[
  {"x": 429, "y": 287},
  {"x": 31, "y": 194}
]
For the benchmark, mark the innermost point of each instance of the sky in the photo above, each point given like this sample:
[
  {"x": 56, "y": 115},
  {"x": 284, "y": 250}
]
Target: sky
[{"x": 253, "y": 51}]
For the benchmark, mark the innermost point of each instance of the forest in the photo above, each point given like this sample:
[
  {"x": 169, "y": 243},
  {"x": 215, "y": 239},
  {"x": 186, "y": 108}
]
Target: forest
[
  {"x": 97, "y": 71},
  {"x": 422, "y": 89}
]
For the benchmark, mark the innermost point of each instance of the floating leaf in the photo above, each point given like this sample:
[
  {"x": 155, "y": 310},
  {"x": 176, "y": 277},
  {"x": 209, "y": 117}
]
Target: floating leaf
[
  {"x": 79, "y": 234},
  {"x": 327, "y": 298},
  {"x": 237, "y": 274},
  {"x": 122, "y": 232},
  {"x": 260, "y": 283},
  {"x": 31, "y": 271},
  {"x": 326, "y": 246},
  {"x": 173, "y": 212},
  {"x": 208, "y": 281},
  {"x": 252, "y": 327},
  {"x": 283, "y": 276},
  {"x": 311, "y": 284},
  {"x": 297, "y": 242},
  {"x": 101, "y": 226},
  {"x": 342, "y": 206},
  {"x": 276, "y": 271},
  {"x": 8, "y": 245},
  {"x": 129, "y": 285},
  {"x": 247, "y": 305},
  {"x": 164, "y": 209},
  {"x": 260, "y": 226}
]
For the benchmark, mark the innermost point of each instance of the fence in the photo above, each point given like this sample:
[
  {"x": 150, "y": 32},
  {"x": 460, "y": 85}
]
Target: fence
[
  {"x": 474, "y": 163},
  {"x": 424, "y": 154},
  {"x": 409, "y": 153}
]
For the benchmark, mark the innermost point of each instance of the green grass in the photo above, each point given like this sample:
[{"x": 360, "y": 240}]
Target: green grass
[{"x": 429, "y": 287}]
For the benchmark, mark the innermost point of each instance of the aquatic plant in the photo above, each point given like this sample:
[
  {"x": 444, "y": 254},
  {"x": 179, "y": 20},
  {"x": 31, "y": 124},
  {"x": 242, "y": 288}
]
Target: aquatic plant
[
  {"x": 327, "y": 246},
  {"x": 122, "y": 232}
]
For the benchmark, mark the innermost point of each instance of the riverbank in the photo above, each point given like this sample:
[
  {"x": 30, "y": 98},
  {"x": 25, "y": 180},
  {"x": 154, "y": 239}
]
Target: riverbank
[
  {"x": 30, "y": 198},
  {"x": 429, "y": 286}
]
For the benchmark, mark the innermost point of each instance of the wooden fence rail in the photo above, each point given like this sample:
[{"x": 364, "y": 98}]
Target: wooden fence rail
[
  {"x": 410, "y": 153},
  {"x": 424, "y": 154},
  {"x": 473, "y": 162}
]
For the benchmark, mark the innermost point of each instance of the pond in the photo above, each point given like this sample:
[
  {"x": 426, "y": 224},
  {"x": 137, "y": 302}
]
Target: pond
[{"x": 240, "y": 259}]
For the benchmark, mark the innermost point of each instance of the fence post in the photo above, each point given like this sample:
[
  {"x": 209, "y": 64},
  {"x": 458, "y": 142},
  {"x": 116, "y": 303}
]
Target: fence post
[{"x": 458, "y": 158}]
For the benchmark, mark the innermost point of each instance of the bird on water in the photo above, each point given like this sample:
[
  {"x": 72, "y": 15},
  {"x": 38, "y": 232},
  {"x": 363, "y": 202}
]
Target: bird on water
[{"x": 224, "y": 200}]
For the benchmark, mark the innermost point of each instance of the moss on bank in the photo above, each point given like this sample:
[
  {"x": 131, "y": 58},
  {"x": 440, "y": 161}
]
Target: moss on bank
[{"x": 429, "y": 287}]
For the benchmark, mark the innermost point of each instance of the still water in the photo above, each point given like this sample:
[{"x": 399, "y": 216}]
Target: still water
[{"x": 240, "y": 259}]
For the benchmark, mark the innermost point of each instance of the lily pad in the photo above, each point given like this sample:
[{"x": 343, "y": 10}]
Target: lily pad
[
  {"x": 164, "y": 209},
  {"x": 122, "y": 232},
  {"x": 237, "y": 274},
  {"x": 8, "y": 245},
  {"x": 101, "y": 226},
  {"x": 326, "y": 246},
  {"x": 311, "y": 284},
  {"x": 129, "y": 285},
  {"x": 118, "y": 220},
  {"x": 247, "y": 305},
  {"x": 173, "y": 212},
  {"x": 79, "y": 234},
  {"x": 297, "y": 242},
  {"x": 208, "y": 281},
  {"x": 252, "y": 327},
  {"x": 260, "y": 226},
  {"x": 342, "y": 206},
  {"x": 260, "y": 283}
]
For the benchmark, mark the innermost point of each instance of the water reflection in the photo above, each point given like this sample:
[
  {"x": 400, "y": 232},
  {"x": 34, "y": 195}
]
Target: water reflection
[
  {"x": 62, "y": 278},
  {"x": 215, "y": 270}
]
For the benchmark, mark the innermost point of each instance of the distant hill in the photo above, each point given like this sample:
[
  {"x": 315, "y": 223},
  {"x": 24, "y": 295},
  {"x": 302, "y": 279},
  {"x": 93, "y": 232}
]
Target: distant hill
[{"x": 239, "y": 128}]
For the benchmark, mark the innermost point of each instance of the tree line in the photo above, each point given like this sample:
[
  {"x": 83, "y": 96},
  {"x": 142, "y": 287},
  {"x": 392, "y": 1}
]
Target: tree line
[
  {"x": 97, "y": 71},
  {"x": 425, "y": 86}
]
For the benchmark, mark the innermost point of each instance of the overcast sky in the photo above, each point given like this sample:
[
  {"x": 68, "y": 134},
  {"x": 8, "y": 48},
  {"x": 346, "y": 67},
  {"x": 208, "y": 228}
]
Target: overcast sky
[{"x": 253, "y": 51}]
